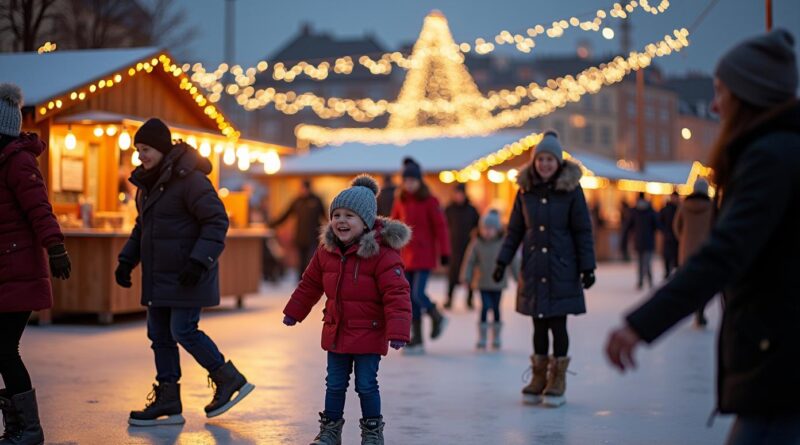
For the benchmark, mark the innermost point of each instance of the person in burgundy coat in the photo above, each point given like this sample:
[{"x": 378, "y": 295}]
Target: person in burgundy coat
[
  {"x": 359, "y": 268},
  {"x": 27, "y": 228},
  {"x": 420, "y": 210}
]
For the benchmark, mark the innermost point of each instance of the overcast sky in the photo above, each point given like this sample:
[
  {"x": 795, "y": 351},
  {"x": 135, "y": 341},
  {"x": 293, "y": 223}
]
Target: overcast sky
[{"x": 263, "y": 26}]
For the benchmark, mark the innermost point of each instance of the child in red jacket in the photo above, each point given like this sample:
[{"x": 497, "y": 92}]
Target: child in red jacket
[{"x": 358, "y": 267}]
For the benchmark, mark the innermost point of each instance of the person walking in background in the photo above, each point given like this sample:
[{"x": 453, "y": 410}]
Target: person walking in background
[
  {"x": 477, "y": 273},
  {"x": 643, "y": 224},
  {"x": 462, "y": 220},
  {"x": 28, "y": 231},
  {"x": 692, "y": 226},
  {"x": 368, "y": 306},
  {"x": 309, "y": 213},
  {"x": 551, "y": 220},
  {"x": 751, "y": 253},
  {"x": 178, "y": 238},
  {"x": 625, "y": 214},
  {"x": 430, "y": 243},
  {"x": 386, "y": 196},
  {"x": 669, "y": 241}
]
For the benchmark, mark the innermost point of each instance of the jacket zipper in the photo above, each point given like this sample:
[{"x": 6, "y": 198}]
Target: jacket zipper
[{"x": 338, "y": 300}]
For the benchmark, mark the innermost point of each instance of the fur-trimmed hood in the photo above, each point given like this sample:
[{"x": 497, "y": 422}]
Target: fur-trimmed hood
[
  {"x": 387, "y": 232},
  {"x": 567, "y": 178}
]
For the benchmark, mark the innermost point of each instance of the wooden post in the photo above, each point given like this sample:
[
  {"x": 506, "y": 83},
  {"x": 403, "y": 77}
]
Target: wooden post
[{"x": 769, "y": 15}]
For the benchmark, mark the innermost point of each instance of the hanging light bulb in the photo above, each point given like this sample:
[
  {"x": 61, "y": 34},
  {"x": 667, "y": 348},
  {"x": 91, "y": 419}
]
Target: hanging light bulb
[
  {"x": 219, "y": 148},
  {"x": 205, "y": 149},
  {"x": 272, "y": 162},
  {"x": 124, "y": 140},
  {"x": 111, "y": 130},
  {"x": 244, "y": 163},
  {"x": 135, "y": 159},
  {"x": 70, "y": 141},
  {"x": 98, "y": 131},
  {"x": 230, "y": 156},
  {"x": 191, "y": 140}
]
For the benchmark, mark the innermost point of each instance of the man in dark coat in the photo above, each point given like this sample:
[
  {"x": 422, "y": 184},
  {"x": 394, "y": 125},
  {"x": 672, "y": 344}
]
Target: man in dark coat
[
  {"x": 309, "y": 213},
  {"x": 669, "y": 242},
  {"x": 178, "y": 238},
  {"x": 643, "y": 224},
  {"x": 386, "y": 196},
  {"x": 462, "y": 220}
]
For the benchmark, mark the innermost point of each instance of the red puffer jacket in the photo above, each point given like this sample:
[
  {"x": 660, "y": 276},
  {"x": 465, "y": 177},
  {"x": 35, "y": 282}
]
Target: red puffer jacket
[
  {"x": 369, "y": 301},
  {"x": 27, "y": 225},
  {"x": 422, "y": 213}
]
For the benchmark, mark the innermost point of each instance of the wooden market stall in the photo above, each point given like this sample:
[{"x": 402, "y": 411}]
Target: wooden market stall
[{"x": 87, "y": 105}]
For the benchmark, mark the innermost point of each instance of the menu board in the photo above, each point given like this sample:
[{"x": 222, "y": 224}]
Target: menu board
[{"x": 71, "y": 174}]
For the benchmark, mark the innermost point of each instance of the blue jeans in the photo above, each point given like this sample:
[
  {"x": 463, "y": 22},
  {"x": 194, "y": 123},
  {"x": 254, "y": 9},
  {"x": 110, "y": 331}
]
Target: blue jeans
[
  {"x": 490, "y": 299},
  {"x": 418, "y": 280},
  {"x": 167, "y": 328},
  {"x": 339, "y": 368},
  {"x": 783, "y": 430}
]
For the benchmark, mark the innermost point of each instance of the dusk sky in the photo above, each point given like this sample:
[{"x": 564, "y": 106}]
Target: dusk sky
[{"x": 262, "y": 27}]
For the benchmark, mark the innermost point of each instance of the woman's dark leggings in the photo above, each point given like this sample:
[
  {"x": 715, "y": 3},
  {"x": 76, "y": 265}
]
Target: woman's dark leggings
[
  {"x": 13, "y": 371},
  {"x": 541, "y": 338}
]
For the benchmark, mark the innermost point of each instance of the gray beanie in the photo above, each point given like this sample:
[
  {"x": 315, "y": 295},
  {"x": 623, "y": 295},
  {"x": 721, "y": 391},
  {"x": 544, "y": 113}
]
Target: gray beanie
[
  {"x": 10, "y": 109},
  {"x": 549, "y": 144},
  {"x": 360, "y": 198},
  {"x": 761, "y": 70},
  {"x": 700, "y": 186},
  {"x": 491, "y": 219}
]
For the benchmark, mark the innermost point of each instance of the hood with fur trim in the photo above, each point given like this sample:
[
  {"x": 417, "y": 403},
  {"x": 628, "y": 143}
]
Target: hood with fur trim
[
  {"x": 387, "y": 232},
  {"x": 568, "y": 177}
]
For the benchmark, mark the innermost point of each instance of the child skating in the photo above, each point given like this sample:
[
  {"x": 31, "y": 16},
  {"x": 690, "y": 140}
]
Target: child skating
[
  {"x": 480, "y": 262},
  {"x": 368, "y": 306}
]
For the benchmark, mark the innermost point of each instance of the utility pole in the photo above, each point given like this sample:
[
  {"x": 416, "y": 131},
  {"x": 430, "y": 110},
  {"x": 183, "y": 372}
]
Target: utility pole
[{"x": 769, "y": 15}]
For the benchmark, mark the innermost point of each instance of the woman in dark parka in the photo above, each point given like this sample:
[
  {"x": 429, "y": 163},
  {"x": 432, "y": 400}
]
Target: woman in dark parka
[
  {"x": 178, "y": 238},
  {"x": 551, "y": 220},
  {"x": 751, "y": 254}
]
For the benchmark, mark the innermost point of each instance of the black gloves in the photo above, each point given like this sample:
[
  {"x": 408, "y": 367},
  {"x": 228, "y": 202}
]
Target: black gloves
[
  {"x": 191, "y": 273},
  {"x": 445, "y": 260},
  {"x": 587, "y": 278},
  {"x": 60, "y": 266},
  {"x": 123, "y": 274},
  {"x": 499, "y": 270}
]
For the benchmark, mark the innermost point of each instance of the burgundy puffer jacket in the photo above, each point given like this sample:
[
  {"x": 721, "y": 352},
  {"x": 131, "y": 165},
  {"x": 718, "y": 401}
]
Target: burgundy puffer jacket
[
  {"x": 369, "y": 301},
  {"x": 27, "y": 227}
]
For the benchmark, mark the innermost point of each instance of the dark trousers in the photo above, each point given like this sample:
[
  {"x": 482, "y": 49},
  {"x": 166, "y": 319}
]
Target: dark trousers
[
  {"x": 670, "y": 256},
  {"x": 542, "y": 327},
  {"x": 12, "y": 369},
  {"x": 778, "y": 430},
  {"x": 451, "y": 288},
  {"x": 420, "y": 302},
  {"x": 305, "y": 254},
  {"x": 645, "y": 267},
  {"x": 169, "y": 327},
  {"x": 340, "y": 366},
  {"x": 490, "y": 300}
]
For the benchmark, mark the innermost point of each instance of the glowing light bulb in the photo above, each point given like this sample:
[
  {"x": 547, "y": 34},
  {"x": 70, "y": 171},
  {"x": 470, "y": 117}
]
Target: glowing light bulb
[
  {"x": 272, "y": 162},
  {"x": 230, "y": 156},
  {"x": 70, "y": 141},
  {"x": 608, "y": 33},
  {"x": 124, "y": 140},
  {"x": 98, "y": 131},
  {"x": 205, "y": 149},
  {"x": 111, "y": 130}
]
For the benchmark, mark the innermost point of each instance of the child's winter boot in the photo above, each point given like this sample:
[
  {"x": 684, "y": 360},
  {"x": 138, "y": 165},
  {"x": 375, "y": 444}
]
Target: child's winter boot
[
  {"x": 532, "y": 393},
  {"x": 415, "y": 346},
  {"x": 556, "y": 382},
  {"x": 227, "y": 381},
  {"x": 439, "y": 322},
  {"x": 483, "y": 333},
  {"x": 372, "y": 431},
  {"x": 497, "y": 328},
  {"x": 330, "y": 431},
  {"x": 163, "y": 407}
]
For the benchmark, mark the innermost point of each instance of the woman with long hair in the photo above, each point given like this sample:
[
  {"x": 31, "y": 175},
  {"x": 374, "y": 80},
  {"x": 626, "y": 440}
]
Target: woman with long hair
[{"x": 752, "y": 252}]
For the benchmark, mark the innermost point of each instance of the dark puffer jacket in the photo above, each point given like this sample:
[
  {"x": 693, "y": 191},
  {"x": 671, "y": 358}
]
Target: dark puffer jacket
[
  {"x": 181, "y": 218},
  {"x": 27, "y": 226},
  {"x": 751, "y": 254},
  {"x": 552, "y": 222}
]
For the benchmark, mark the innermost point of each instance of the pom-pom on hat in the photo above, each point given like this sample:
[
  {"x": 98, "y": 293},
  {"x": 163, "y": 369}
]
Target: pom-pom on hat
[
  {"x": 10, "y": 109},
  {"x": 360, "y": 198}
]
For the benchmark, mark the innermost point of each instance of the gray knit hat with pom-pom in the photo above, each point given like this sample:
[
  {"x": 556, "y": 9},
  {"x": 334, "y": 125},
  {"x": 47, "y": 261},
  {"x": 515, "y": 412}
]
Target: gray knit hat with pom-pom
[
  {"x": 360, "y": 198},
  {"x": 549, "y": 144},
  {"x": 10, "y": 109}
]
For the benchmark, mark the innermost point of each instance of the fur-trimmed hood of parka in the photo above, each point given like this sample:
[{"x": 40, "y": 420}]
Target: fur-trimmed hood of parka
[
  {"x": 387, "y": 232},
  {"x": 568, "y": 177}
]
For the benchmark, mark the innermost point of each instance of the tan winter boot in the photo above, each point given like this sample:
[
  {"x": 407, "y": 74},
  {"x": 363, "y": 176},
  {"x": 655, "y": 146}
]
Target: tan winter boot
[
  {"x": 556, "y": 382},
  {"x": 532, "y": 393}
]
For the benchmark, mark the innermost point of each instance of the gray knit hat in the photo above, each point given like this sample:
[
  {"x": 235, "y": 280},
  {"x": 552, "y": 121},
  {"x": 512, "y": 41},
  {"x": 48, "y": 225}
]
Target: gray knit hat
[
  {"x": 491, "y": 219},
  {"x": 761, "y": 70},
  {"x": 549, "y": 144},
  {"x": 360, "y": 198},
  {"x": 10, "y": 109}
]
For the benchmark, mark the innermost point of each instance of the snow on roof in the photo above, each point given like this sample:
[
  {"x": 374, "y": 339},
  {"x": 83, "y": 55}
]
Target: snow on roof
[
  {"x": 604, "y": 167},
  {"x": 434, "y": 155},
  {"x": 43, "y": 76},
  {"x": 669, "y": 172}
]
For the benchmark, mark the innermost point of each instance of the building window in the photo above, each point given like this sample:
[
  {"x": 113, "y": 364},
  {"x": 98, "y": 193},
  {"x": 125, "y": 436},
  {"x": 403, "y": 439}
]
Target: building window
[
  {"x": 632, "y": 108},
  {"x": 605, "y": 135},
  {"x": 664, "y": 144},
  {"x": 588, "y": 102},
  {"x": 650, "y": 112},
  {"x": 664, "y": 114},
  {"x": 650, "y": 143},
  {"x": 605, "y": 104},
  {"x": 588, "y": 134}
]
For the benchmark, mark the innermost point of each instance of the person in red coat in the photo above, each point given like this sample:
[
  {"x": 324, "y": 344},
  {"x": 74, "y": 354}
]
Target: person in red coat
[
  {"x": 27, "y": 228},
  {"x": 359, "y": 268},
  {"x": 431, "y": 242}
]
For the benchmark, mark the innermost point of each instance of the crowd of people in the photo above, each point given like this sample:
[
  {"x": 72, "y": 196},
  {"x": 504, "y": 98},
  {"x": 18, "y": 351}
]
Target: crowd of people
[{"x": 376, "y": 251}]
